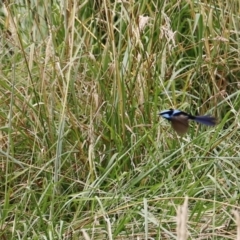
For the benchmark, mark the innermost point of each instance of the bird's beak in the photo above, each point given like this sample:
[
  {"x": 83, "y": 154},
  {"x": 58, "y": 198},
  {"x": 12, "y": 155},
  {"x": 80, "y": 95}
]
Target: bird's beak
[{"x": 180, "y": 124}]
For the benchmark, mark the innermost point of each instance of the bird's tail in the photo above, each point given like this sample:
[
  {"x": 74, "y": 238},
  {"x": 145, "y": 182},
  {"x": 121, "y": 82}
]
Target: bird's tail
[{"x": 206, "y": 120}]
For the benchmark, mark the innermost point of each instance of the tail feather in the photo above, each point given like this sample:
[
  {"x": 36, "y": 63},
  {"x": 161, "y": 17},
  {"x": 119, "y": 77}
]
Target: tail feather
[{"x": 206, "y": 120}]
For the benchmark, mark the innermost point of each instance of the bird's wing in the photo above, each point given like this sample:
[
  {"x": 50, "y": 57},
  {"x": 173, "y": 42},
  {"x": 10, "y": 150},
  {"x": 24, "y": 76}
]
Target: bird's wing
[{"x": 180, "y": 124}]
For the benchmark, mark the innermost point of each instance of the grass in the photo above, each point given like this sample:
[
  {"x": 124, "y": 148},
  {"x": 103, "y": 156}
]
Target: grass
[{"x": 84, "y": 154}]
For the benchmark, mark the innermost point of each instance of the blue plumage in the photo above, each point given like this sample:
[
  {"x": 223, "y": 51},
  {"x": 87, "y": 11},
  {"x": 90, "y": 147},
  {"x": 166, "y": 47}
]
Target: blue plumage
[
  {"x": 179, "y": 120},
  {"x": 206, "y": 120}
]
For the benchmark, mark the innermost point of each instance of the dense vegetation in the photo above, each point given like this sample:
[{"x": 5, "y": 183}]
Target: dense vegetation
[{"x": 84, "y": 154}]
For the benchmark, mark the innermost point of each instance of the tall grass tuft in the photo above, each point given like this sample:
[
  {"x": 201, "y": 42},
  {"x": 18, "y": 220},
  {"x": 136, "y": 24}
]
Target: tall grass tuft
[{"x": 84, "y": 154}]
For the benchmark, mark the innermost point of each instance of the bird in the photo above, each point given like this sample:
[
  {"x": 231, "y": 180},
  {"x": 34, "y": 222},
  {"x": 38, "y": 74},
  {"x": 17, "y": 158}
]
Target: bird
[{"x": 179, "y": 120}]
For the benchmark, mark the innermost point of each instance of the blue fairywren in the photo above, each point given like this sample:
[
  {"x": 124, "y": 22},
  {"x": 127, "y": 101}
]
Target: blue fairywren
[{"x": 179, "y": 120}]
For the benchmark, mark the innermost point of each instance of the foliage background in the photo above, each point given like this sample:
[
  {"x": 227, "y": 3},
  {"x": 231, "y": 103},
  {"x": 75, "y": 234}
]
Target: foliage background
[{"x": 84, "y": 154}]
